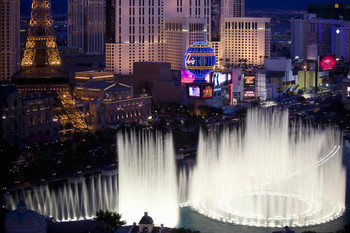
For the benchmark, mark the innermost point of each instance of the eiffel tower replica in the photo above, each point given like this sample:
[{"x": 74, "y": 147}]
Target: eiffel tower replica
[
  {"x": 41, "y": 72},
  {"x": 41, "y": 64}
]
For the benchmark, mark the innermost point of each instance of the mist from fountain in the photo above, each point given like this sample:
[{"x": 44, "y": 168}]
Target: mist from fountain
[
  {"x": 268, "y": 174},
  {"x": 147, "y": 176}
]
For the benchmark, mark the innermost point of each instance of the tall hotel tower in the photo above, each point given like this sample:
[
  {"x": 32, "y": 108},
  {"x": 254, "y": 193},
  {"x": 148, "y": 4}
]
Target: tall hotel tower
[
  {"x": 86, "y": 26},
  {"x": 160, "y": 30},
  {"x": 10, "y": 38},
  {"x": 138, "y": 35}
]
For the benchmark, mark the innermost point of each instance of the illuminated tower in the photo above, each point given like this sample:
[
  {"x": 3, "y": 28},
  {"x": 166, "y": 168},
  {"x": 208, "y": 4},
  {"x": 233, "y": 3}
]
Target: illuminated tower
[{"x": 41, "y": 47}]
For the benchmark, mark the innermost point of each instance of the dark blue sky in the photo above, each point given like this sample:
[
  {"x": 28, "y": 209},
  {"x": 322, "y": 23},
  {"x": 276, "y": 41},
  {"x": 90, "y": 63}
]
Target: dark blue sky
[{"x": 60, "y": 6}]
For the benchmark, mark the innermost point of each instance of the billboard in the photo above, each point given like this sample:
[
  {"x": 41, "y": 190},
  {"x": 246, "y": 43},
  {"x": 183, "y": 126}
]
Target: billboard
[
  {"x": 249, "y": 80},
  {"x": 215, "y": 20},
  {"x": 188, "y": 77},
  {"x": 207, "y": 92},
  {"x": 249, "y": 94},
  {"x": 348, "y": 92},
  {"x": 194, "y": 91},
  {"x": 327, "y": 62},
  {"x": 220, "y": 79}
]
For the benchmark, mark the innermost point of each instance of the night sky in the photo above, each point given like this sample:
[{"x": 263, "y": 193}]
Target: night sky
[{"x": 60, "y": 6}]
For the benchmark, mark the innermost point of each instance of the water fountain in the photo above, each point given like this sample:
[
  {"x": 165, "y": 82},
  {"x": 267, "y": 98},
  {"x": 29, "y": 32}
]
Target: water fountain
[
  {"x": 269, "y": 175},
  {"x": 147, "y": 177},
  {"x": 146, "y": 181}
]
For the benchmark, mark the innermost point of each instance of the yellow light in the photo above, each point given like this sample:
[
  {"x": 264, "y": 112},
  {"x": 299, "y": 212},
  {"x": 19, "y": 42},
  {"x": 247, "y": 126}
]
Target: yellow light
[{"x": 336, "y": 5}]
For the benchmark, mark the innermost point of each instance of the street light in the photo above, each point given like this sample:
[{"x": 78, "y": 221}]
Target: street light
[{"x": 304, "y": 68}]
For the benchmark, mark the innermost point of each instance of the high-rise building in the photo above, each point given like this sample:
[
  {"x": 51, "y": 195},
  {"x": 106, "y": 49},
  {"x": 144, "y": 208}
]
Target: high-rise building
[
  {"x": 247, "y": 40},
  {"x": 110, "y": 21},
  {"x": 341, "y": 42},
  {"x": 179, "y": 33},
  {"x": 215, "y": 12},
  {"x": 10, "y": 38},
  {"x": 138, "y": 35},
  {"x": 309, "y": 32},
  {"x": 86, "y": 25}
]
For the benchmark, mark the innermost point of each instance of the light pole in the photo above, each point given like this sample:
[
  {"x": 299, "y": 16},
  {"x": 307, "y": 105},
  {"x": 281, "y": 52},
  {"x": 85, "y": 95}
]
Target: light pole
[{"x": 305, "y": 68}]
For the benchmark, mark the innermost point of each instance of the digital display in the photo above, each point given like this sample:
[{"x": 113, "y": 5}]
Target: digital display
[
  {"x": 327, "y": 62},
  {"x": 249, "y": 81},
  {"x": 188, "y": 77},
  {"x": 225, "y": 95},
  {"x": 249, "y": 94},
  {"x": 194, "y": 91},
  {"x": 207, "y": 92},
  {"x": 220, "y": 79},
  {"x": 348, "y": 92}
]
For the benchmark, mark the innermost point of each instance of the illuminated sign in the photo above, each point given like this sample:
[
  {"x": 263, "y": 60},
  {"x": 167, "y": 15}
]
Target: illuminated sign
[
  {"x": 249, "y": 94},
  {"x": 194, "y": 91},
  {"x": 207, "y": 92},
  {"x": 189, "y": 60},
  {"x": 220, "y": 79},
  {"x": 348, "y": 92},
  {"x": 327, "y": 62},
  {"x": 188, "y": 77},
  {"x": 249, "y": 81}
]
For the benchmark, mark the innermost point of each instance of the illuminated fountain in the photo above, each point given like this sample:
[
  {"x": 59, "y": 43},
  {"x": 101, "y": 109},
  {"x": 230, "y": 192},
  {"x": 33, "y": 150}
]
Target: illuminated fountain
[
  {"x": 147, "y": 182},
  {"x": 147, "y": 178},
  {"x": 269, "y": 175}
]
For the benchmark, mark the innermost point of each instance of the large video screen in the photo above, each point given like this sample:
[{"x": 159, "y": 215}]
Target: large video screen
[
  {"x": 348, "y": 92},
  {"x": 207, "y": 92},
  {"x": 327, "y": 62},
  {"x": 249, "y": 81},
  {"x": 220, "y": 79},
  {"x": 194, "y": 91}
]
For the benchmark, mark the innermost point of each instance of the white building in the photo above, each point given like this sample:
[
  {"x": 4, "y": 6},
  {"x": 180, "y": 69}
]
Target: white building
[
  {"x": 140, "y": 33},
  {"x": 86, "y": 26},
  {"x": 247, "y": 39},
  {"x": 309, "y": 32},
  {"x": 179, "y": 33},
  {"x": 10, "y": 38}
]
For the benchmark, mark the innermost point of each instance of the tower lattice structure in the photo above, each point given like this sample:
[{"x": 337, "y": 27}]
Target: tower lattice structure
[{"x": 41, "y": 47}]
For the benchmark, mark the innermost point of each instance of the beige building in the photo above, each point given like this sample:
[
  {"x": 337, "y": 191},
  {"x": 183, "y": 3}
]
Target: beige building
[
  {"x": 10, "y": 38},
  {"x": 97, "y": 75},
  {"x": 179, "y": 34},
  {"x": 110, "y": 103},
  {"x": 247, "y": 40}
]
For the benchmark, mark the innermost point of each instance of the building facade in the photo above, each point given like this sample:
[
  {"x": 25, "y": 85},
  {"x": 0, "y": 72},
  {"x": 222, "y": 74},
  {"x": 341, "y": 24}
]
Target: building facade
[
  {"x": 26, "y": 119},
  {"x": 107, "y": 103},
  {"x": 341, "y": 42},
  {"x": 86, "y": 26},
  {"x": 140, "y": 33},
  {"x": 247, "y": 40},
  {"x": 10, "y": 38},
  {"x": 179, "y": 33},
  {"x": 309, "y": 31}
]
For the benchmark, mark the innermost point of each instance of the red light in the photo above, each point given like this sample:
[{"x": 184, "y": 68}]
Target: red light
[{"x": 327, "y": 62}]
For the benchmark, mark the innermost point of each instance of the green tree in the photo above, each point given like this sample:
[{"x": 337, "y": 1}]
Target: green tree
[{"x": 112, "y": 220}]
